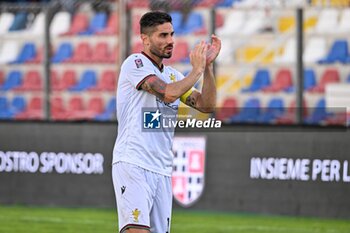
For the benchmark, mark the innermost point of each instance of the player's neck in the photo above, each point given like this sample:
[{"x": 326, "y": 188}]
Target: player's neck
[{"x": 155, "y": 59}]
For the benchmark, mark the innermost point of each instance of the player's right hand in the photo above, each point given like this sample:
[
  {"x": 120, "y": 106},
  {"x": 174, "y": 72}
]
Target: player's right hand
[{"x": 198, "y": 56}]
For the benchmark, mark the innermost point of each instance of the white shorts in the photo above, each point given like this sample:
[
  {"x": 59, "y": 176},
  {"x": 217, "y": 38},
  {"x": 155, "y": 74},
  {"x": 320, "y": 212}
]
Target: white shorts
[{"x": 144, "y": 198}]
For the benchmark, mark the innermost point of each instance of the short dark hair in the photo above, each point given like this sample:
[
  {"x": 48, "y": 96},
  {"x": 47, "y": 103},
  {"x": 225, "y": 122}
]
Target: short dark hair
[{"x": 152, "y": 19}]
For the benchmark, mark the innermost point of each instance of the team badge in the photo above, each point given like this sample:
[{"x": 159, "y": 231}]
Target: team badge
[
  {"x": 136, "y": 213},
  {"x": 172, "y": 77},
  {"x": 138, "y": 63},
  {"x": 188, "y": 169}
]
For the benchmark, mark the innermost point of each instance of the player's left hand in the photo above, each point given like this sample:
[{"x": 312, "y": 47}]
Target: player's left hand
[{"x": 213, "y": 49}]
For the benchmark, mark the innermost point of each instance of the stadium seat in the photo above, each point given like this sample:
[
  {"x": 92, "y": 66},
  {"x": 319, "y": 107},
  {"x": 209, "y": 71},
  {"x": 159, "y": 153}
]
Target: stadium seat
[
  {"x": 38, "y": 58},
  {"x": 27, "y": 53},
  {"x": 58, "y": 110},
  {"x": 227, "y": 110},
  {"x": 2, "y": 79},
  {"x": 260, "y": 81},
  {"x": 181, "y": 54},
  {"x": 327, "y": 21},
  {"x": 80, "y": 24},
  {"x": 76, "y": 108},
  {"x": 38, "y": 26},
  {"x": 82, "y": 53},
  {"x": 194, "y": 24},
  {"x": 219, "y": 20},
  {"x": 69, "y": 79},
  {"x": 344, "y": 24},
  {"x": 289, "y": 53},
  {"x": 109, "y": 112},
  {"x": 328, "y": 76},
  {"x": 137, "y": 4},
  {"x": 100, "y": 53},
  {"x": 225, "y": 3},
  {"x": 289, "y": 116},
  {"x": 114, "y": 55},
  {"x": 282, "y": 82},
  {"x": 55, "y": 81},
  {"x": 34, "y": 110},
  {"x": 94, "y": 108},
  {"x": 286, "y": 23},
  {"x": 254, "y": 23},
  {"x": 9, "y": 51},
  {"x": 249, "y": 113},
  {"x": 275, "y": 109},
  {"x": 6, "y": 20},
  {"x": 107, "y": 81},
  {"x": 18, "y": 105},
  {"x": 97, "y": 24},
  {"x": 19, "y": 22},
  {"x": 32, "y": 82},
  {"x": 13, "y": 80},
  {"x": 309, "y": 79},
  {"x": 112, "y": 27},
  {"x": 4, "y": 108},
  {"x": 315, "y": 49},
  {"x": 137, "y": 47},
  {"x": 319, "y": 113},
  {"x": 338, "y": 53},
  {"x": 233, "y": 23},
  {"x": 136, "y": 26},
  {"x": 87, "y": 81},
  {"x": 60, "y": 23},
  {"x": 63, "y": 53}
]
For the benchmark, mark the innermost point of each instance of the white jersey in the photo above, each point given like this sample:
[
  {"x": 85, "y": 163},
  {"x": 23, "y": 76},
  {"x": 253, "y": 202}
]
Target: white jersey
[{"x": 151, "y": 150}]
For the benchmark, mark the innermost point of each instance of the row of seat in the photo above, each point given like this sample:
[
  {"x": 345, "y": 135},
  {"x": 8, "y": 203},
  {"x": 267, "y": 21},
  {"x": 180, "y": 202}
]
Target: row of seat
[
  {"x": 283, "y": 81},
  {"x": 33, "y": 81},
  {"x": 277, "y": 112},
  {"x": 85, "y": 53},
  {"x": 62, "y": 24},
  {"x": 76, "y": 108},
  {"x": 242, "y": 22},
  {"x": 197, "y": 3}
]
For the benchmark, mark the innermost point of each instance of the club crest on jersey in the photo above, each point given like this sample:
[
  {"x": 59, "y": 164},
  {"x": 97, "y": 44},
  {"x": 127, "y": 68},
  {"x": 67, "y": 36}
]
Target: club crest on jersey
[
  {"x": 138, "y": 63},
  {"x": 188, "y": 169}
]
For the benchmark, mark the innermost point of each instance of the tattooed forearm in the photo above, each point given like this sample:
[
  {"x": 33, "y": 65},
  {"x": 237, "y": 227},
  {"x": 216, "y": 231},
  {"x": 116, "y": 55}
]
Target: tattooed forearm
[
  {"x": 191, "y": 100},
  {"x": 155, "y": 86}
]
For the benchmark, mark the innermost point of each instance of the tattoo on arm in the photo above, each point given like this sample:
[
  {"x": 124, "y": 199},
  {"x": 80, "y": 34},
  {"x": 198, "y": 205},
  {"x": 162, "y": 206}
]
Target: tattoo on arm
[
  {"x": 192, "y": 99},
  {"x": 154, "y": 86}
]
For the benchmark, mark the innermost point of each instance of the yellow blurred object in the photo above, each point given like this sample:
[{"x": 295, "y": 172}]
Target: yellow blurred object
[
  {"x": 251, "y": 53},
  {"x": 310, "y": 23},
  {"x": 333, "y": 3},
  {"x": 221, "y": 80},
  {"x": 286, "y": 23}
]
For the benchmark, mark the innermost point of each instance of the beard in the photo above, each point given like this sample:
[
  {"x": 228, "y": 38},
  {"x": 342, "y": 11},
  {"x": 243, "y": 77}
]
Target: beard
[{"x": 160, "y": 54}]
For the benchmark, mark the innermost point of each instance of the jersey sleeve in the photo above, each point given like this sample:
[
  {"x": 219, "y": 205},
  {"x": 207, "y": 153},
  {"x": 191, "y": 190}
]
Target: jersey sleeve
[{"x": 138, "y": 69}]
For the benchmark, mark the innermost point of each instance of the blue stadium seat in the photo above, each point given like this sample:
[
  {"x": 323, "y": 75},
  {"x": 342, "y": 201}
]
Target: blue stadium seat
[
  {"x": 98, "y": 23},
  {"x": 274, "y": 110},
  {"x": 109, "y": 112},
  {"x": 338, "y": 53},
  {"x": 64, "y": 52},
  {"x": 9, "y": 111},
  {"x": 309, "y": 79},
  {"x": 260, "y": 81},
  {"x": 87, "y": 81},
  {"x": 249, "y": 113},
  {"x": 319, "y": 113},
  {"x": 193, "y": 23},
  {"x": 19, "y": 22},
  {"x": 13, "y": 80},
  {"x": 28, "y": 53},
  {"x": 225, "y": 3}
]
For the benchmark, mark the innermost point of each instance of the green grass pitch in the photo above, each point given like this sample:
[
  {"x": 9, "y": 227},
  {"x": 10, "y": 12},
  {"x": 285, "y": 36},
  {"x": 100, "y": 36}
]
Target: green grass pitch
[{"x": 20, "y": 219}]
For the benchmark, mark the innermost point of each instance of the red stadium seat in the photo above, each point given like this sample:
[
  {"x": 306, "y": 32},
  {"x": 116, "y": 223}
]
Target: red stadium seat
[
  {"x": 114, "y": 55},
  {"x": 182, "y": 52},
  {"x": 1, "y": 78},
  {"x": 55, "y": 81},
  {"x": 282, "y": 82},
  {"x": 107, "y": 81},
  {"x": 58, "y": 110},
  {"x": 100, "y": 53},
  {"x": 80, "y": 24},
  {"x": 137, "y": 47},
  {"x": 112, "y": 26},
  {"x": 228, "y": 109},
  {"x": 34, "y": 110},
  {"x": 76, "y": 108},
  {"x": 95, "y": 107},
  {"x": 69, "y": 79},
  {"x": 32, "y": 82},
  {"x": 38, "y": 57},
  {"x": 135, "y": 24},
  {"x": 290, "y": 116},
  {"x": 329, "y": 76},
  {"x": 82, "y": 53}
]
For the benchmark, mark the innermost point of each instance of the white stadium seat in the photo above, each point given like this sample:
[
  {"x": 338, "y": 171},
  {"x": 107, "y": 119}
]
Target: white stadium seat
[
  {"x": 60, "y": 23},
  {"x": 344, "y": 24},
  {"x": 8, "y": 52},
  {"x": 315, "y": 49},
  {"x": 327, "y": 21},
  {"x": 6, "y": 20}
]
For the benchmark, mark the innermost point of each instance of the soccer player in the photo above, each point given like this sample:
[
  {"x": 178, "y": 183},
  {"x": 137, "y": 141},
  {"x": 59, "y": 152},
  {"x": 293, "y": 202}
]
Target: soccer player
[{"x": 142, "y": 161}]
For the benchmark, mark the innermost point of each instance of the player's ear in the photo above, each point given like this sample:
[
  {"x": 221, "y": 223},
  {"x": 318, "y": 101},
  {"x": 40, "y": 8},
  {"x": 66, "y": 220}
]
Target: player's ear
[{"x": 145, "y": 39}]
